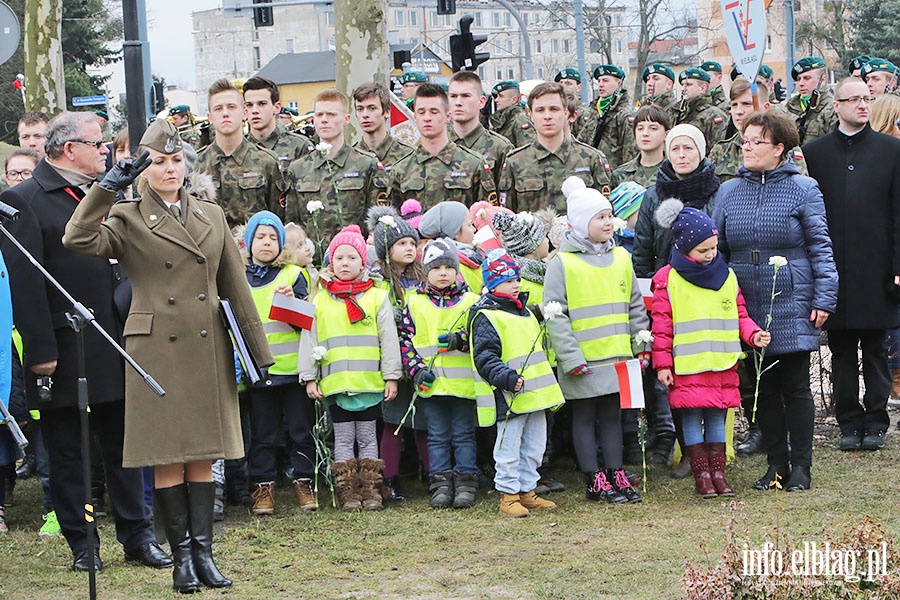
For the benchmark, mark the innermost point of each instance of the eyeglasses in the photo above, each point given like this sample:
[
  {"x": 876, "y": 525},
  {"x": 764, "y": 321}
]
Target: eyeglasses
[
  {"x": 87, "y": 143},
  {"x": 23, "y": 174},
  {"x": 856, "y": 99},
  {"x": 755, "y": 143}
]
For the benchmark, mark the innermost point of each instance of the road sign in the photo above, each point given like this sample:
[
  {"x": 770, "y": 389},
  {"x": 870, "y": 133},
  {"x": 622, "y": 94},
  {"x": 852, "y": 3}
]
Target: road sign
[
  {"x": 9, "y": 32},
  {"x": 88, "y": 100},
  {"x": 745, "y": 31}
]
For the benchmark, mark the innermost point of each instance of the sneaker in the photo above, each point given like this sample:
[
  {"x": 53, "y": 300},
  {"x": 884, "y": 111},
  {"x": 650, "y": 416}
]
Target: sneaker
[
  {"x": 306, "y": 496},
  {"x": 873, "y": 441},
  {"x": 599, "y": 488},
  {"x": 263, "y": 499},
  {"x": 51, "y": 525},
  {"x": 621, "y": 483},
  {"x": 850, "y": 442}
]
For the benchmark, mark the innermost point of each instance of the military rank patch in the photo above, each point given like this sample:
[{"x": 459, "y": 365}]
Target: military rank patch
[
  {"x": 381, "y": 199},
  {"x": 493, "y": 199},
  {"x": 605, "y": 190},
  {"x": 282, "y": 200}
]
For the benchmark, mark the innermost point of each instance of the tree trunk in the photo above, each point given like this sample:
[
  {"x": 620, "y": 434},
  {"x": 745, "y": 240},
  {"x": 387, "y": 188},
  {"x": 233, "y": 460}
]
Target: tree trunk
[
  {"x": 362, "y": 52},
  {"x": 45, "y": 88}
]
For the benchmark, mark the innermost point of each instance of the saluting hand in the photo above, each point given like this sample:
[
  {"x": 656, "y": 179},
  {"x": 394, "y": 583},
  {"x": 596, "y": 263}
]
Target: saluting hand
[{"x": 125, "y": 172}]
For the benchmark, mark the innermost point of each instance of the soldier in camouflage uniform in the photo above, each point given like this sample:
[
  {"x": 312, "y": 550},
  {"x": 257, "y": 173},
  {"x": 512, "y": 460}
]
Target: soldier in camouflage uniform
[
  {"x": 184, "y": 121},
  {"x": 409, "y": 83},
  {"x": 651, "y": 124},
  {"x": 439, "y": 169},
  {"x": 247, "y": 178},
  {"x": 659, "y": 81},
  {"x": 509, "y": 120},
  {"x": 373, "y": 109},
  {"x": 531, "y": 178},
  {"x": 346, "y": 180},
  {"x": 697, "y": 108},
  {"x": 880, "y": 76},
  {"x": 811, "y": 108},
  {"x": 262, "y": 105},
  {"x": 728, "y": 155},
  {"x": 608, "y": 124},
  {"x": 466, "y": 101},
  {"x": 854, "y": 67},
  {"x": 716, "y": 89},
  {"x": 570, "y": 79}
]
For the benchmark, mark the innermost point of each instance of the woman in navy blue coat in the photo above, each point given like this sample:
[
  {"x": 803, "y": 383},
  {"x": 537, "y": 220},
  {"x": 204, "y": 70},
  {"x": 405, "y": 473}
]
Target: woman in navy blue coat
[{"x": 771, "y": 210}]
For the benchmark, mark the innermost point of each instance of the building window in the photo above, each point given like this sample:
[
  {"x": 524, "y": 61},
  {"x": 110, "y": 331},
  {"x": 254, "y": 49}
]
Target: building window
[
  {"x": 398, "y": 18},
  {"x": 540, "y": 72},
  {"x": 538, "y": 47},
  {"x": 619, "y": 46},
  {"x": 566, "y": 45},
  {"x": 509, "y": 46},
  {"x": 499, "y": 74},
  {"x": 768, "y": 43},
  {"x": 255, "y": 35},
  {"x": 507, "y": 20},
  {"x": 481, "y": 73},
  {"x": 413, "y": 18},
  {"x": 329, "y": 18},
  {"x": 434, "y": 19},
  {"x": 554, "y": 46},
  {"x": 510, "y": 73},
  {"x": 478, "y": 19},
  {"x": 618, "y": 20},
  {"x": 495, "y": 20},
  {"x": 293, "y": 104},
  {"x": 289, "y": 46},
  {"x": 257, "y": 59}
]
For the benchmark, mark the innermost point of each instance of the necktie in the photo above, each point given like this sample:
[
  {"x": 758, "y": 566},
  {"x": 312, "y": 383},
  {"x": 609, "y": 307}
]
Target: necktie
[{"x": 173, "y": 208}]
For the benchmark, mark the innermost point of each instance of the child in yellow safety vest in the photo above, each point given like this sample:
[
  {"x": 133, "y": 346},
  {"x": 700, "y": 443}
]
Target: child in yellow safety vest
[
  {"x": 270, "y": 272},
  {"x": 453, "y": 220},
  {"x": 351, "y": 357},
  {"x": 699, "y": 321},
  {"x": 435, "y": 351},
  {"x": 395, "y": 243},
  {"x": 514, "y": 384},
  {"x": 602, "y": 311}
]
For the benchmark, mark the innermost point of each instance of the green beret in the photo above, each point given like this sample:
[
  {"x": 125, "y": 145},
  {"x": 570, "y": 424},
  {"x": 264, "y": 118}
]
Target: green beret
[
  {"x": 693, "y": 73},
  {"x": 766, "y": 72},
  {"x": 857, "y": 63},
  {"x": 102, "y": 114},
  {"x": 568, "y": 73},
  {"x": 877, "y": 64},
  {"x": 162, "y": 136},
  {"x": 287, "y": 110},
  {"x": 413, "y": 77},
  {"x": 601, "y": 70},
  {"x": 711, "y": 65},
  {"x": 502, "y": 86},
  {"x": 806, "y": 64},
  {"x": 734, "y": 72},
  {"x": 660, "y": 69},
  {"x": 180, "y": 109}
]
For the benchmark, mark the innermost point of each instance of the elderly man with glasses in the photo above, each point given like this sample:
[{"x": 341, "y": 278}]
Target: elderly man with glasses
[{"x": 75, "y": 158}]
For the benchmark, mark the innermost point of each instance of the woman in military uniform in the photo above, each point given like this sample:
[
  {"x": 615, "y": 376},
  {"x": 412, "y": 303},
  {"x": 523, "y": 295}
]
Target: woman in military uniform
[{"x": 177, "y": 250}]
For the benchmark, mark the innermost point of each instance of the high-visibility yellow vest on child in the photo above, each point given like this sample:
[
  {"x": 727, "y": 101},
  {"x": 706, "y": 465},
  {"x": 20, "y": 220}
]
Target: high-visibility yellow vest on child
[{"x": 284, "y": 340}]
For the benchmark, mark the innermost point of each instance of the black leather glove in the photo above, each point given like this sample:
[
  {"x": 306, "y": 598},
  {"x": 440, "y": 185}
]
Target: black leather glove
[{"x": 125, "y": 172}]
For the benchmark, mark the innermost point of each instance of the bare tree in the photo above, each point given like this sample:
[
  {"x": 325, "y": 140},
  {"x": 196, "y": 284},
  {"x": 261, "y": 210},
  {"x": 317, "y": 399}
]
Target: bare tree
[{"x": 832, "y": 30}]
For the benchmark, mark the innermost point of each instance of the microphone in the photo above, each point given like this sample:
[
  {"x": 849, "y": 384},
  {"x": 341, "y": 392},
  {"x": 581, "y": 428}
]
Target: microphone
[{"x": 8, "y": 213}]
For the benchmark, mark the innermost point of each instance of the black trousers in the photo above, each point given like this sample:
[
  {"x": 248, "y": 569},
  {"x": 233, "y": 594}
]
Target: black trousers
[
  {"x": 785, "y": 406},
  {"x": 267, "y": 406},
  {"x": 62, "y": 437},
  {"x": 871, "y": 416}
]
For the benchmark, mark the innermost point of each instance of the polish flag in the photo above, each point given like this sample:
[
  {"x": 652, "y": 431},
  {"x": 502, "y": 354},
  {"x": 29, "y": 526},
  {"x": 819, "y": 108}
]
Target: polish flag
[
  {"x": 403, "y": 127},
  {"x": 292, "y": 310},
  {"x": 644, "y": 285},
  {"x": 631, "y": 390},
  {"x": 485, "y": 239}
]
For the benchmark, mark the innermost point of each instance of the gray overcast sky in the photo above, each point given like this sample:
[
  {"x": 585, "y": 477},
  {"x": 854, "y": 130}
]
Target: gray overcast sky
[{"x": 169, "y": 28}]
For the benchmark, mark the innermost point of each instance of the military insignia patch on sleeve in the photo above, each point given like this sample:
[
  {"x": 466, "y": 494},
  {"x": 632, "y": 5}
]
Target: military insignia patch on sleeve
[
  {"x": 381, "y": 198},
  {"x": 282, "y": 200},
  {"x": 493, "y": 199}
]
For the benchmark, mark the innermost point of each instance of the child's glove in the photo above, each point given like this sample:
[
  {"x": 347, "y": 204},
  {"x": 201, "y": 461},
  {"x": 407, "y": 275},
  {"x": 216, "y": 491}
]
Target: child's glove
[
  {"x": 644, "y": 357},
  {"x": 580, "y": 370},
  {"x": 423, "y": 379},
  {"x": 448, "y": 342}
]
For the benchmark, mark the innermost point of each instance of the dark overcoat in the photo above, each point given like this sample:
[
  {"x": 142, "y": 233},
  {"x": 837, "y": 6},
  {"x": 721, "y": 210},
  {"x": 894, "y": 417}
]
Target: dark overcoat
[{"x": 859, "y": 177}]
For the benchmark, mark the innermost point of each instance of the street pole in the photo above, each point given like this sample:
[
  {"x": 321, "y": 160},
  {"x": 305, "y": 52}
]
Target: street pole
[
  {"x": 789, "y": 40},
  {"x": 137, "y": 68},
  {"x": 579, "y": 48},
  {"x": 527, "y": 64}
]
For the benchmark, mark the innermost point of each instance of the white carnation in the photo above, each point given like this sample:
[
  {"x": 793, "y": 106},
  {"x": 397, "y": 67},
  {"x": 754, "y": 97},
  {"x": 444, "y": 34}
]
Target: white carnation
[
  {"x": 319, "y": 353},
  {"x": 552, "y": 310},
  {"x": 314, "y": 206},
  {"x": 388, "y": 221},
  {"x": 324, "y": 148},
  {"x": 526, "y": 217},
  {"x": 643, "y": 337},
  {"x": 777, "y": 261},
  {"x": 619, "y": 225}
]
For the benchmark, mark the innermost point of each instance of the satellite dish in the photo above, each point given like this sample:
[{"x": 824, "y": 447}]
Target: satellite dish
[{"x": 10, "y": 32}]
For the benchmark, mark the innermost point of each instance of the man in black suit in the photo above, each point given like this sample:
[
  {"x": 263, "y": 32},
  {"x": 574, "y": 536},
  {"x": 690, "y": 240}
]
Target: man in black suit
[{"x": 75, "y": 157}]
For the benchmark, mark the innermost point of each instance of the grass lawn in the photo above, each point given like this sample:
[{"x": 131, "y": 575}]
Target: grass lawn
[{"x": 580, "y": 550}]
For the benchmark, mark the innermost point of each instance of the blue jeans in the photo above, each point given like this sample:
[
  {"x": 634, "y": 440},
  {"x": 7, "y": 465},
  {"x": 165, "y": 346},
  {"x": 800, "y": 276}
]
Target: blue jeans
[
  {"x": 451, "y": 427},
  {"x": 703, "y": 424},
  {"x": 518, "y": 451}
]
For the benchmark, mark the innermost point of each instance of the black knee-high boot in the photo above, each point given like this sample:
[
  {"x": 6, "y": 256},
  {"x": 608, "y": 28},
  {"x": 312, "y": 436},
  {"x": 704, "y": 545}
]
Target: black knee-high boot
[
  {"x": 172, "y": 504},
  {"x": 201, "y": 497}
]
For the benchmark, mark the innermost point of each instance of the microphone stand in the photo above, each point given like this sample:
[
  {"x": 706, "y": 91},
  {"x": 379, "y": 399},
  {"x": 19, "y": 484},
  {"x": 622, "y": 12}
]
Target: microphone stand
[{"x": 79, "y": 318}]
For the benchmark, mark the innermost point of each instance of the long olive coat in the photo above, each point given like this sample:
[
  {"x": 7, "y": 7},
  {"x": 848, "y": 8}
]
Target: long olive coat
[{"x": 178, "y": 273}]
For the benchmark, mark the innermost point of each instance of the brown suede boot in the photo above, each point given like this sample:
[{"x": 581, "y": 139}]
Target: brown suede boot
[
  {"x": 895, "y": 384},
  {"x": 716, "y": 453},
  {"x": 531, "y": 500},
  {"x": 511, "y": 507},
  {"x": 369, "y": 482},
  {"x": 703, "y": 484},
  {"x": 345, "y": 486}
]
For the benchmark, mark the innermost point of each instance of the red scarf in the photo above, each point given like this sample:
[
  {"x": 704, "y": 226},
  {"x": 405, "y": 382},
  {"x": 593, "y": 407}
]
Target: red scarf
[{"x": 346, "y": 290}]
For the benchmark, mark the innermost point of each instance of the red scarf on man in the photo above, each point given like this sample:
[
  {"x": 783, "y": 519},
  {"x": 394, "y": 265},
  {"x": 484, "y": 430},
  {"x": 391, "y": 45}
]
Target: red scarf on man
[{"x": 346, "y": 290}]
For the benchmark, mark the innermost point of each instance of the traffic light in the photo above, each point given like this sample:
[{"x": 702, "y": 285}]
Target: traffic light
[
  {"x": 462, "y": 47},
  {"x": 158, "y": 97},
  {"x": 262, "y": 17},
  {"x": 446, "y": 7}
]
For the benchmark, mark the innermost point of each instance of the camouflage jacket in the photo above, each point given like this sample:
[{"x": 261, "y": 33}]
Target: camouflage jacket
[
  {"x": 720, "y": 99},
  {"x": 492, "y": 147},
  {"x": 578, "y": 123},
  {"x": 513, "y": 124},
  {"x": 286, "y": 146},
  {"x": 634, "y": 171},
  {"x": 728, "y": 157},
  {"x": 817, "y": 120},
  {"x": 389, "y": 151},
  {"x": 246, "y": 182},
  {"x": 668, "y": 102},
  {"x": 454, "y": 173},
  {"x": 532, "y": 176},
  {"x": 703, "y": 114},
  {"x": 346, "y": 185},
  {"x": 615, "y": 129}
]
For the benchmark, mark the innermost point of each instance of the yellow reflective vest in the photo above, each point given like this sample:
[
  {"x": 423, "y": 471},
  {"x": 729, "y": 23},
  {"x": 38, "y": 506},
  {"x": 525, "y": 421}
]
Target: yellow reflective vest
[
  {"x": 284, "y": 340},
  {"x": 540, "y": 391},
  {"x": 536, "y": 296},
  {"x": 352, "y": 363},
  {"x": 473, "y": 277},
  {"x": 453, "y": 370},
  {"x": 599, "y": 299},
  {"x": 705, "y": 326}
]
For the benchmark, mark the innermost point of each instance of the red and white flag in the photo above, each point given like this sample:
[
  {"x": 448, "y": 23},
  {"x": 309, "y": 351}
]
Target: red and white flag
[
  {"x": 403, "y": 127},
  {"x": 631, "y": 389},
  {"x": 644, "y": 284},
  {"x": 293, "y": 310},
  {"x": 485, "y": 239}
]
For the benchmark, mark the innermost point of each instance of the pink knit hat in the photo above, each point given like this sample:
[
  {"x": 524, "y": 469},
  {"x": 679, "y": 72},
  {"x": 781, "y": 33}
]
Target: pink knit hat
[
  {"x": 483, "y": 214},
  {"x": 349, "y": 236},
  {"x": 411, "y": 212}
]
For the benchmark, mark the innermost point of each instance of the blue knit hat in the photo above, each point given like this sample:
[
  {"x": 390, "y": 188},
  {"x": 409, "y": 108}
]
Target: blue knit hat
[
  {"x": 689, "y": 225},
  {"x": 263, "y": 217},
  {"x": 498, "y": 266}
]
